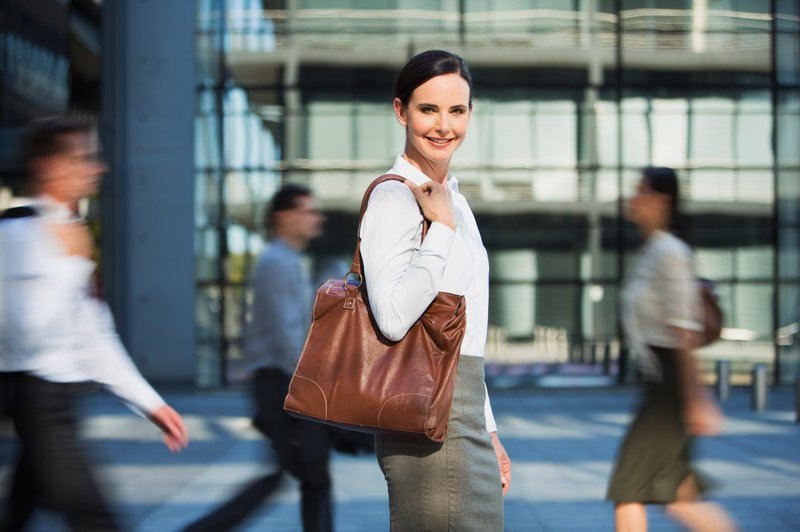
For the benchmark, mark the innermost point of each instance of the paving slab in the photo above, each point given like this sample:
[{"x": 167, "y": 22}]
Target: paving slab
[{"x": 562, "y": 444}]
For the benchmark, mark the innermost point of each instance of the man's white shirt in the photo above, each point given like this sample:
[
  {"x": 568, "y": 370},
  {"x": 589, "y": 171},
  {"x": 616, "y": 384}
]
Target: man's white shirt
[{"x": 50, "y": 325}]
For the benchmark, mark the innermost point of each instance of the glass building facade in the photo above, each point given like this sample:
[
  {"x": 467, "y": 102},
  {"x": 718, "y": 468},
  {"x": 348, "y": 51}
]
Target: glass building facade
[
  {"x": 49, "y": 64},
  {"x": 572, "y": 98}
]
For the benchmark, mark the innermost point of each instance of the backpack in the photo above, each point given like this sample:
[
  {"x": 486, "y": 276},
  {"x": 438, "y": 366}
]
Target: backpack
[{"x": 712, "y": 313}]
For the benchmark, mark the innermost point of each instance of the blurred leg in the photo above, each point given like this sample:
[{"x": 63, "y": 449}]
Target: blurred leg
[
  {"x": 239, "y": 507},
  {"x": 701, "y": 516},
  {"x": 698, "y": 515},
  {"x": 58, "y": 472},
  {"x": 630, "y": 517},
  {"x": 302, "y": 448},
  {"x": 316, "y": 504},
  {"x": 19, "y": 504}
]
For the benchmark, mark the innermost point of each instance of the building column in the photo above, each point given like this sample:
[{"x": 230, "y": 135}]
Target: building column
[{"x": 147, "y": 130}]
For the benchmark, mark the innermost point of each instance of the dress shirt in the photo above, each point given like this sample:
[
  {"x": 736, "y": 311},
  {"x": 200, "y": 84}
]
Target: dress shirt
[
  {"x": 50, "y": 325},
  {"x": 282, "y": 301},
  {"x": 660, "y": 293},
  {"x": 403, "y": 274}
]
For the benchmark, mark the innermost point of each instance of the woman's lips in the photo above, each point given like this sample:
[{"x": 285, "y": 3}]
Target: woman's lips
[{"x": 439, "y": 142}]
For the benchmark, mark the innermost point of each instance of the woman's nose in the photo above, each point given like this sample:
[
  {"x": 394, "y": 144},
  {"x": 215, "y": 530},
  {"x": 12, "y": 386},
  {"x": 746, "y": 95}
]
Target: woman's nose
[{"x": 442, "y": 124}]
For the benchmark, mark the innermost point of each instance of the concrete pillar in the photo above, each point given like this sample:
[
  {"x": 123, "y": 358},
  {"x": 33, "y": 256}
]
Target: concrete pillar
[{"x": 147, "y": 130}]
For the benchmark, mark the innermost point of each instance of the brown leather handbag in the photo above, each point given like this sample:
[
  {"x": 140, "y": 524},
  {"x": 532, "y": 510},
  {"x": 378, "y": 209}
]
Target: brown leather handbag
[{"x": 349, "y": 375}]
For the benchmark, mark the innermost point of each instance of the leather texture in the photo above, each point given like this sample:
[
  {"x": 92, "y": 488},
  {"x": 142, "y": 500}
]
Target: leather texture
[{"x": 351, "y": 376}]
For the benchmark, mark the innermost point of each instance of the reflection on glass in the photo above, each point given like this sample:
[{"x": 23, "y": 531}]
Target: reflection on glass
[
  {"x": 789, "y": 254},
  {"x": 787, "y": 57},
  {"x": 558, "y": 134},
  {"x": 788, "y": 128}
]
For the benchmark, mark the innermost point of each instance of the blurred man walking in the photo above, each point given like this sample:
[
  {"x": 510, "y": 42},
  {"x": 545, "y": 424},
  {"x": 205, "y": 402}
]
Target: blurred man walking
[
  {"x": 273, "y": 342},
  {"x": 55, "y": 335}
]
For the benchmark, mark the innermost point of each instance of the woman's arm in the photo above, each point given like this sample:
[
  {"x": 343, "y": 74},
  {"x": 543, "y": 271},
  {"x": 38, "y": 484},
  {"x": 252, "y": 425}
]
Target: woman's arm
[
  {"x": 701, "y": 415},
  {"x": 682, "y": 303},
  {"x": 402, "y": 276}
]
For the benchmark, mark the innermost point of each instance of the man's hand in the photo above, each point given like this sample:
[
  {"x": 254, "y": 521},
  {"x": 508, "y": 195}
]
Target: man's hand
[
  {"x": 504, "y": 461},
  {"x": 75, "y": 237},
  {"x": 171, "y": 424}
]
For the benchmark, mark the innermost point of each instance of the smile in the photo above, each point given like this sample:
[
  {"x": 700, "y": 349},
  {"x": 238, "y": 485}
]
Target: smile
[{"x": 440, "y": 142}]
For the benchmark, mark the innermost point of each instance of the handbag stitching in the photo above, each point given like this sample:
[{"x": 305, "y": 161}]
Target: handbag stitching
[
  {"x": 324, "y": 397},
  {"x": 380, "y": 412}
]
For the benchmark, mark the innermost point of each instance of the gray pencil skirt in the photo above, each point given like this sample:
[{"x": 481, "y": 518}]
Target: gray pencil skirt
[{"x": 451, "y": 486}]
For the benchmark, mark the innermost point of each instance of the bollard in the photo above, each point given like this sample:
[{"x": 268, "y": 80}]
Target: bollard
[
  {"x": 723, "y": 380},
  {"x": 607, "y": 359},
  {"x": 797, "y": 399},
  {"x": 759, "y": 387}
]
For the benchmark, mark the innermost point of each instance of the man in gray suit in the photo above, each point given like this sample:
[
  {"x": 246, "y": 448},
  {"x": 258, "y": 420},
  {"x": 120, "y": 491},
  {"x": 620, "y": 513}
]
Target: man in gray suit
[{"x": 281, "y": 315}]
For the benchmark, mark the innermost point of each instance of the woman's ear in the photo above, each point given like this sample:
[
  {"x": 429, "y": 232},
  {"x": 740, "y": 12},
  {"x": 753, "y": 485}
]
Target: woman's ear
[{"x": 400, "y": 112}]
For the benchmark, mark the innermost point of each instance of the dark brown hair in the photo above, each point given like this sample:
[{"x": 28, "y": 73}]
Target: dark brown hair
[
  {"x": 45, "y": 137},
  {"x": 285, "y": 199},
  {"x": 665, "y": 181},
  {"x": 427, "y": 65}
]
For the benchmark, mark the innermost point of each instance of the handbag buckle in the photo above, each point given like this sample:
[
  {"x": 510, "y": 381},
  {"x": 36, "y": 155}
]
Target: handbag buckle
[{"x": 349, "y": 303}]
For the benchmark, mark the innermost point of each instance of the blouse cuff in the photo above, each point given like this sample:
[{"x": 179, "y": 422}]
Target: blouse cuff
[
  {"x": 439, "y": 238},
  {"x": 491, "y": 425}
]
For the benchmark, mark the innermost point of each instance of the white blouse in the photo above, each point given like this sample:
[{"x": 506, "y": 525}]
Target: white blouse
[
  {"x": 404, "y": 274},
  {"x": 660, "y": 293}
]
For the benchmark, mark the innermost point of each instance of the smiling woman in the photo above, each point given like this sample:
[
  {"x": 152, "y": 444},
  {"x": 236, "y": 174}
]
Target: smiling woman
[
  {"x": 458, "y": 484},
  {"x": 436, "y": 118}
]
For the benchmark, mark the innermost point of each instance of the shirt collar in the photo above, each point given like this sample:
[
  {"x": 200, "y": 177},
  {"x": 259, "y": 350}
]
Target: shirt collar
[
  {"x": 280, "y": 242},
  {"x": 407, "y": 170},
  {"x": 53, "y": 210}
]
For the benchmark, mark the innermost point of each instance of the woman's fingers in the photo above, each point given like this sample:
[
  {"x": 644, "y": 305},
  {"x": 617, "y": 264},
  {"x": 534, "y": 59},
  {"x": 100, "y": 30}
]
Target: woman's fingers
[{"x": 435, "y": 200}]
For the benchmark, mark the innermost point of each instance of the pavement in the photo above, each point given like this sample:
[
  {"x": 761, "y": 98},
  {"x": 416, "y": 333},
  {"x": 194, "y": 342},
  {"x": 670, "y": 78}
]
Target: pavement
[{"x": 562, "y": 444}]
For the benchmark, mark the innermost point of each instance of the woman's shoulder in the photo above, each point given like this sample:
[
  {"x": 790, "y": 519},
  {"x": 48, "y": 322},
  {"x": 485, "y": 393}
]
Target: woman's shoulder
[
  {"x": 670, "y": 247},
  {"x": 392, "y": 192}
]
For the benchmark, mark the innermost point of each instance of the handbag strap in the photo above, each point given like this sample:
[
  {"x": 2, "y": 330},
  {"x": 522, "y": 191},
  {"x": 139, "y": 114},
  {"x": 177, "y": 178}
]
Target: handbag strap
[{"x": 357, "y": 266}]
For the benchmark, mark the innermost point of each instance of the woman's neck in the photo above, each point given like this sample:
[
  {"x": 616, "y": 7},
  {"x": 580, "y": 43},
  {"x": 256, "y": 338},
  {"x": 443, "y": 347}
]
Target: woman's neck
[
  {"x": 437, "y": 172},
  {"x": 649, "y": 230}
]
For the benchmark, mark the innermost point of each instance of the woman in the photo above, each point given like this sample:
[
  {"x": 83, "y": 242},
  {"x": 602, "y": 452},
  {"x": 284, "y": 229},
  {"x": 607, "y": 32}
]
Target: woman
[
  {"x": 457, "y": 485},
  {"x": 660, "y": 314}
]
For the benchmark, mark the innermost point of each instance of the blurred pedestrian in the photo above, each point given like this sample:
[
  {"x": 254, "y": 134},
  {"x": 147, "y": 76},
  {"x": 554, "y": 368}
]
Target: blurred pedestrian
[
  {"x": 281, "y": 315},
  {"x": 661, "y": 315},
  {"x": 54, "y": 335},
  {"x": 457, "y": 485}
]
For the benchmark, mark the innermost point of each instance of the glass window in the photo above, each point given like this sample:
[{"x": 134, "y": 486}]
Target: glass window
[
  {"x": 787, "y": 15},
  {"x": 789, "y": 196},
  {"x": 789, "y": 253},
  {"x": 787, "y": 57},
  {"x": 788, "y": 128},
  {"x": 670, "y": 129},
  {"x": 558, "y": 135},
  {"x": 753, "y": 130},
  {"x": 635, "y": 132},
  {"x": 712, "y": 125},
  {"x": 788, "y": 331}
]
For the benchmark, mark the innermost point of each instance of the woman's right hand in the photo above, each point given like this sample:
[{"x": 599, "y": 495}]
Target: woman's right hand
[
  {"x": 702, "y": 417},
  {"x": 436, "y": 201}
]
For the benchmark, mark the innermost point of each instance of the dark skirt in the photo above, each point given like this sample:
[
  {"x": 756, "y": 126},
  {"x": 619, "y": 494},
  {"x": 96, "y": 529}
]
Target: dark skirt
[{"x": 656, "y": 455}]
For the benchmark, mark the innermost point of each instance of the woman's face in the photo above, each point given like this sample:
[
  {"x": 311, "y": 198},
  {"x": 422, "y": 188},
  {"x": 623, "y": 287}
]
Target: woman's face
[
  {"x": 436, "y": 120},
  {"x": 647, "y": 207}
]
